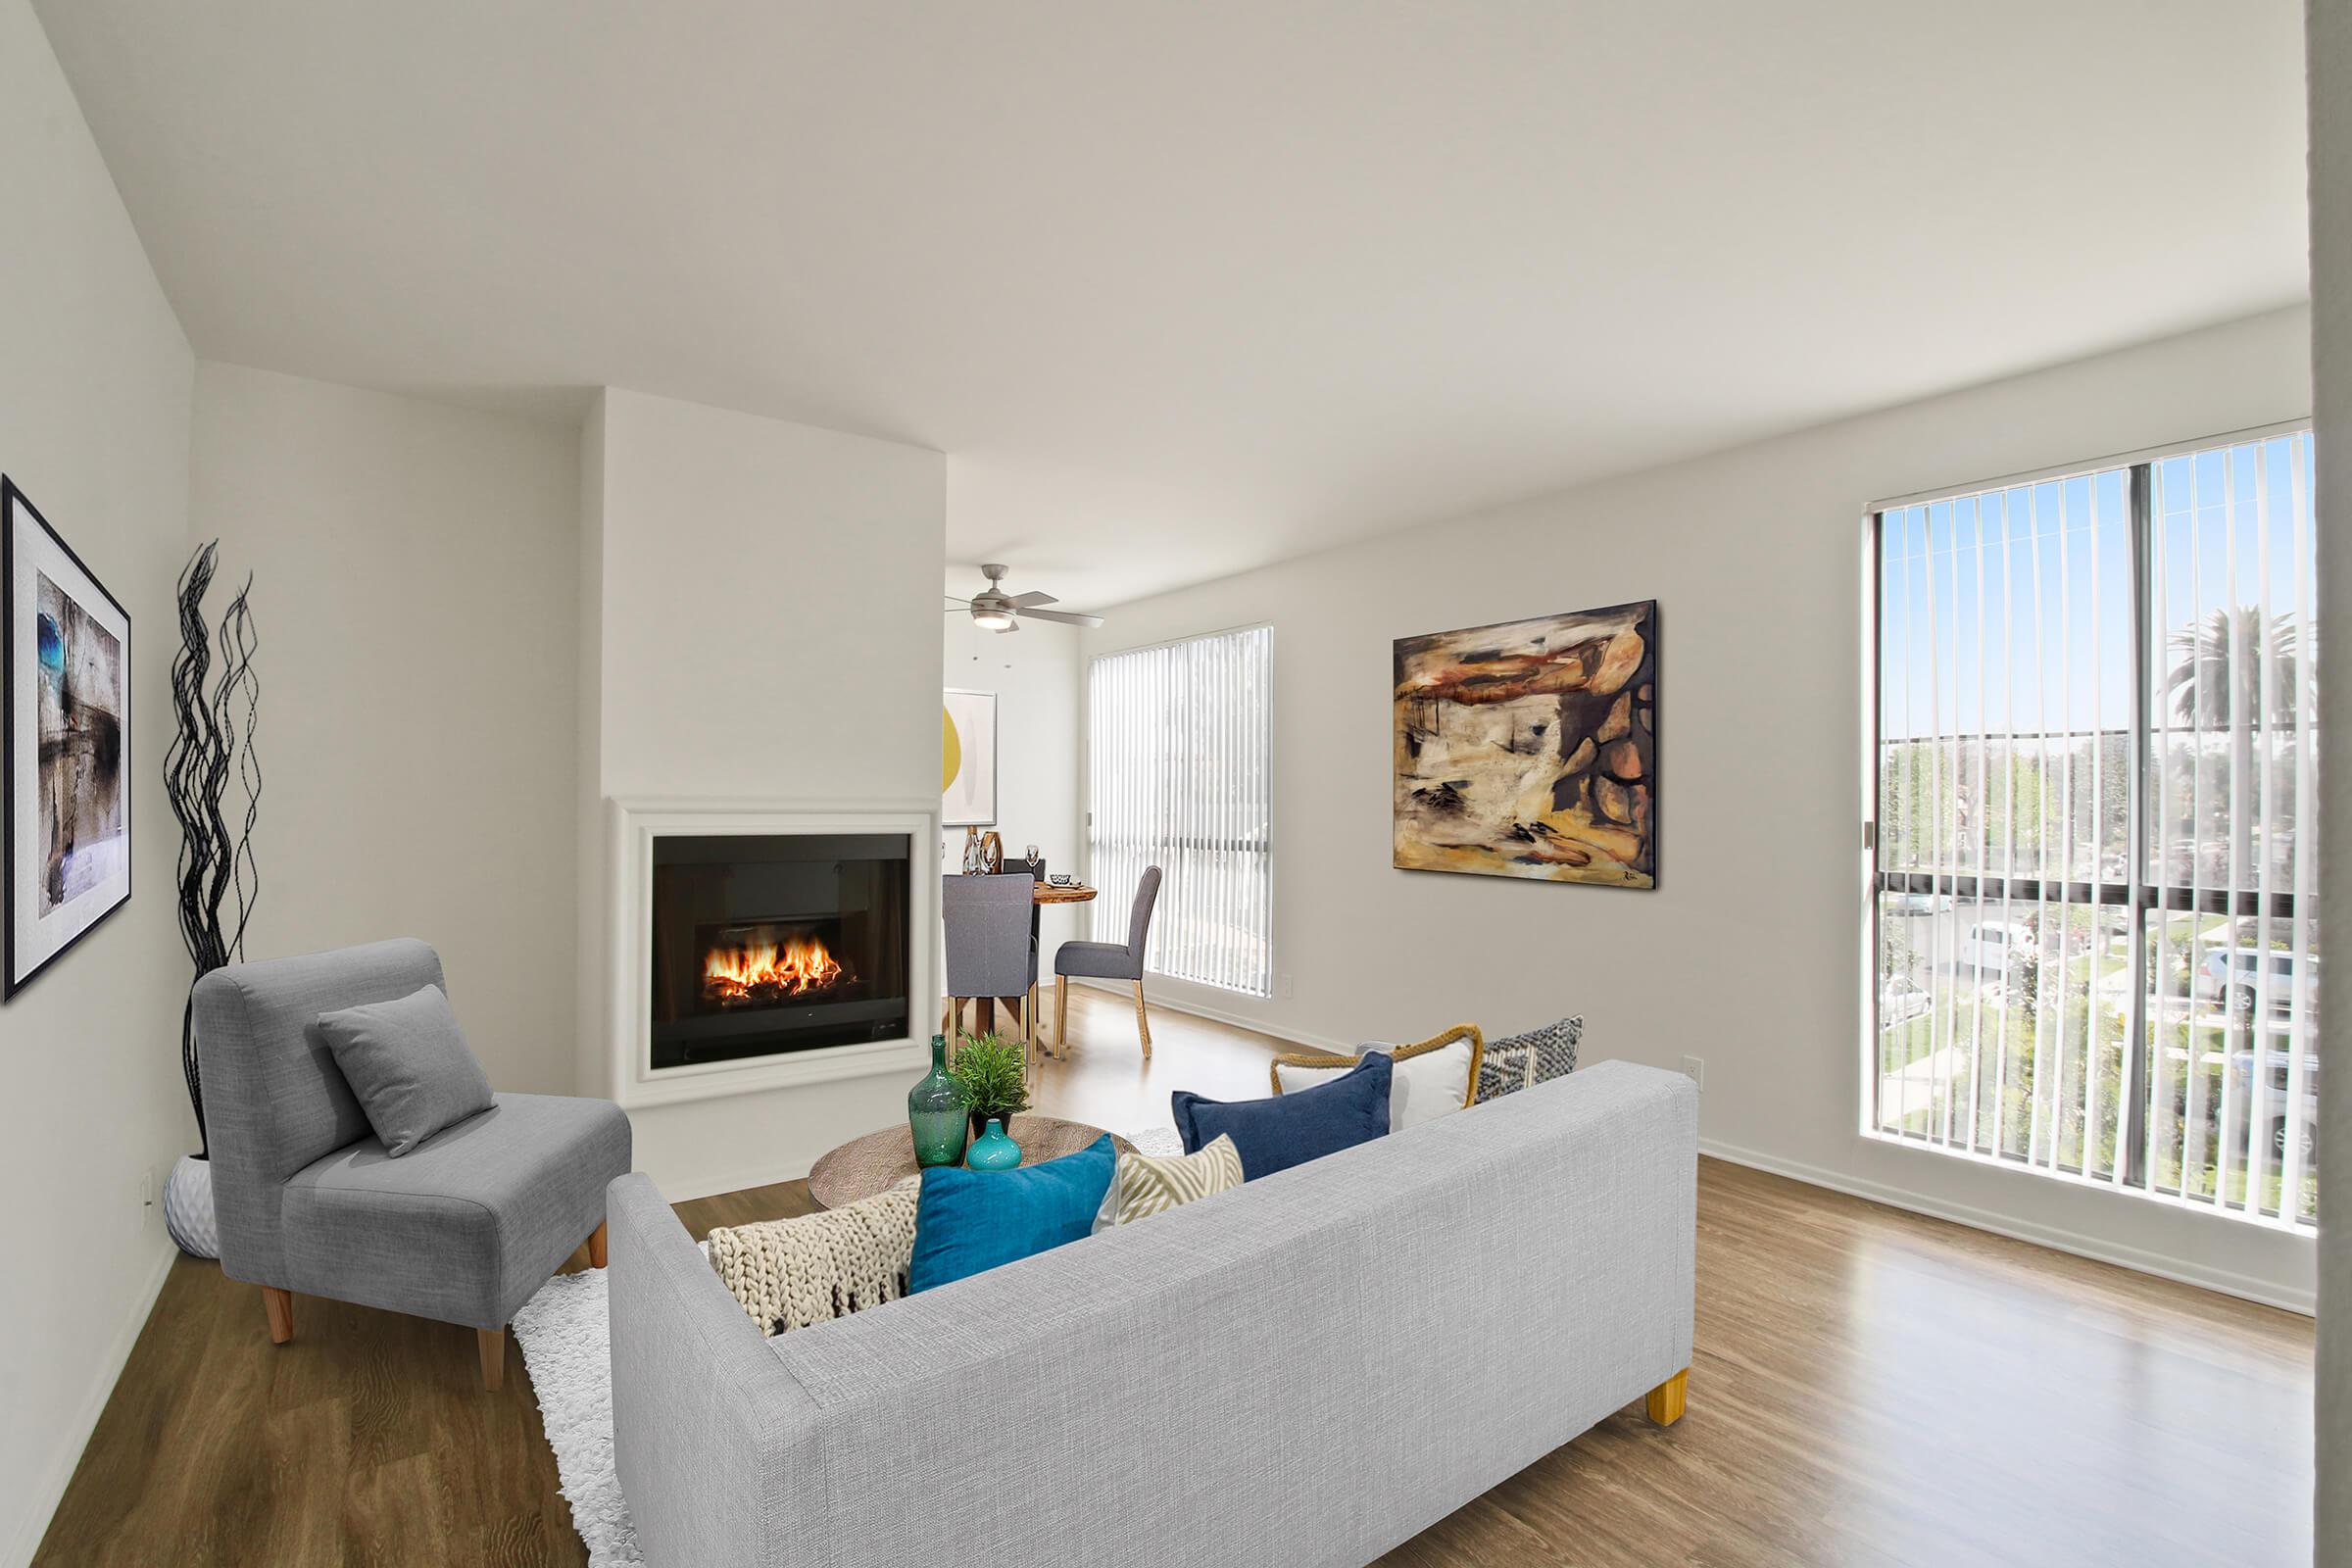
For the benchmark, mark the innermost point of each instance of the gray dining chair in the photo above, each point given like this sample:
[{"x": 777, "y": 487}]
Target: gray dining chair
[
  {"x": 1036, "y": 942},
  {"x": 992, "y": 956},
  {"x": 1109, "y": 960}
]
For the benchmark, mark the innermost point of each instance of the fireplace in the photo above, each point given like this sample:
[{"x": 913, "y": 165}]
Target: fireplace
[{"x": 768, "y": 943}]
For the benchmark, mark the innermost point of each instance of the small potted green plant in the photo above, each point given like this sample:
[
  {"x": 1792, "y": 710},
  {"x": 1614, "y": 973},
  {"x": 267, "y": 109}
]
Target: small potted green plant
[{"x": 987, "y": 1074}]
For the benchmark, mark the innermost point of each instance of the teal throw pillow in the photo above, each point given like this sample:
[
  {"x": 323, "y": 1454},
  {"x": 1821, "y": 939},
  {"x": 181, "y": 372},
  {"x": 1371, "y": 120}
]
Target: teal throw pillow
[{"x": 969, "y": 1221}]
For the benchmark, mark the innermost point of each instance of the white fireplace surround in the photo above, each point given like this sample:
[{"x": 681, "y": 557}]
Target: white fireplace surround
[{"x": 633, "y": 824}]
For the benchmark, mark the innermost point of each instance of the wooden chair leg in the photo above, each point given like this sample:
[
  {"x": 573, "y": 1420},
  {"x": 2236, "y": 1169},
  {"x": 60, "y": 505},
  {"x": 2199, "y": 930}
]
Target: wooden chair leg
[
  {"x": 1142, "y": 1021},
  {"x": 1020, "y": 1034},
  {"x": 1665, "y": 1401},
  {"x": 279, "y": 1306},
  {"x": 1061, "y": 1014},
  {"x": 491, "y": 1346},
  {"x": 596, "y": 1245}
]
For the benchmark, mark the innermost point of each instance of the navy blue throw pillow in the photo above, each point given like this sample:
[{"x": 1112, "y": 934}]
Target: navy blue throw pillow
[
  {"x": 1291, "y": 1129},
  {"x": 969, "y": 1220}
]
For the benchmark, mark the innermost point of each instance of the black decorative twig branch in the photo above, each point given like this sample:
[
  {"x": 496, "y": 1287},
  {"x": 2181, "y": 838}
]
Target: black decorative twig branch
[{"x": 212, "y": 743}]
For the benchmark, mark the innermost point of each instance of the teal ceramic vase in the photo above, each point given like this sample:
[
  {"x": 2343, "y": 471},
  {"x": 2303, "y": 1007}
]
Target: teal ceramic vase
[
  {"x": 935, "y": 1111},
  {"x": 993, "y": 1150}
]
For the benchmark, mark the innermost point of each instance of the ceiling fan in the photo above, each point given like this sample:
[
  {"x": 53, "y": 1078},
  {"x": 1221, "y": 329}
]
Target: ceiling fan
[{"x": 994, "y": 609}]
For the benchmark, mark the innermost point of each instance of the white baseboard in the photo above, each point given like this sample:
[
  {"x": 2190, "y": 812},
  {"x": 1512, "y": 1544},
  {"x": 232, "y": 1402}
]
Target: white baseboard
[
  {"x": 2162, "y": 1265},
  {"x": 1201, "y": 1009},
  {"x": 76, "y": 1434}
]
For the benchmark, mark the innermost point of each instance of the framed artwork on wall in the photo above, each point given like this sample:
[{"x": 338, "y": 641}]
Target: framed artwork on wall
[
  {"x": 1530, "y": 748},
  {"x": 64, "y": 742},
  {"x": 968, "y": 769}
]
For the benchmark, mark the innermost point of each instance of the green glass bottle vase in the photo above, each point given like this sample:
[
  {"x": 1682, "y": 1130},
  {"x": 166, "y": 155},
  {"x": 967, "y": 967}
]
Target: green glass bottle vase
[
  {"x": 935, "y": 1113},
  {"x": 992, "y": 1150}
]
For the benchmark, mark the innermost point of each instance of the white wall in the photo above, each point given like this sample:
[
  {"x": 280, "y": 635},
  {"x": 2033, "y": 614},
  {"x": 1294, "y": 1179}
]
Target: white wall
[
  {"x": 2329, "y": 58},
  {"x": 1035, "y": 673},
  {"x": 771, "y": 629},
  {"x": 1745, "y": 953},
  {"x": 94, "y": 380},
  {"x": 415, "y": 569}
]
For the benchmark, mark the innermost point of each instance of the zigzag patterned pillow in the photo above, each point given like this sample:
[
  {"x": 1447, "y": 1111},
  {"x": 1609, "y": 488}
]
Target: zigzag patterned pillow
[
  {"x": 1522, "y": 1061},
  {"x": 1150, "y": 1186}
]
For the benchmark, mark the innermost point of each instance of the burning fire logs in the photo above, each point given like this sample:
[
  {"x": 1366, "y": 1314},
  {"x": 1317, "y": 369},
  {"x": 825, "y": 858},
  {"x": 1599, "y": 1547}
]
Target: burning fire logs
[{"x": 762, "y": 974}]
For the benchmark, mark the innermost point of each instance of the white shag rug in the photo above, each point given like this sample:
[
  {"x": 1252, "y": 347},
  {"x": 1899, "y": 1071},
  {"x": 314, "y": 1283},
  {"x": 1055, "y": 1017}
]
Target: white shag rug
[{"x": 566, "y": 1340}]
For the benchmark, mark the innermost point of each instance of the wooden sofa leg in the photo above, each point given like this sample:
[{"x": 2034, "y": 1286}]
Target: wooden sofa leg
[
  {"x": 279, "y": 1305},
  {"x": 491, "y": 1344},
  {"x": 1665, "y": 1401},
  {"x": 596, "y": 1245}
]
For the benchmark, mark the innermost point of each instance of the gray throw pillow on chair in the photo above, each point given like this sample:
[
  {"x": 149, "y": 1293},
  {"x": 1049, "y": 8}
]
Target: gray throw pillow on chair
[{"x": 409, "y": 1065}]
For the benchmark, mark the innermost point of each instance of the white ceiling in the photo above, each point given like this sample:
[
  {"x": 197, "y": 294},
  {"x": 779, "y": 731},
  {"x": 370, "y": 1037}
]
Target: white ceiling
[{"x": 1188, "y": 287}]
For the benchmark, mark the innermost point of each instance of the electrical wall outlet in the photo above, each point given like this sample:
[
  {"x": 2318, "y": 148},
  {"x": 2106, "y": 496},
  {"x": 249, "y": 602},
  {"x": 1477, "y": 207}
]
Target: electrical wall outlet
[
  {"x": 1287, "y": 989},
  {"x": 147, "y": 1190},
  {"x": 1695, "y": 1069}
]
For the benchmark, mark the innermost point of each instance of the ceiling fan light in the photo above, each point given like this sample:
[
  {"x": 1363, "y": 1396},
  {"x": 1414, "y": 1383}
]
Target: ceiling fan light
[{"x": 992, "y": 620}]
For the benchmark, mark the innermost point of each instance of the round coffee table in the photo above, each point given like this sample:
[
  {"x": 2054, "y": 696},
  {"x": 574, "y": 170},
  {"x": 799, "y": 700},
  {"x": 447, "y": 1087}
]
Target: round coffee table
[{"x": 879, "y": 1162}]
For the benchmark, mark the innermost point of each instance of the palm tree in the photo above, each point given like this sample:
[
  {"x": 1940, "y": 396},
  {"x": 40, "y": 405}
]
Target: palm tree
[
  {"x": 2217, "y": 683},
  {"x": 2216, "y": 680}
]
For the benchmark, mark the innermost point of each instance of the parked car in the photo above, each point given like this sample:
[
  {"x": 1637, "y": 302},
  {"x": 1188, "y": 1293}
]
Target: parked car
[
  {"x": 2233, "y": 976},
  {"x": 1900, "y": 1000},
  {"x": 1992, "y": 946},
  {"x": 2268, "y": 1108}
]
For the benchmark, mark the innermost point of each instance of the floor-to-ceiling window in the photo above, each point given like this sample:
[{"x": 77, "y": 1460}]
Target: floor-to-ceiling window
[
  {"x": 2093, "y": 863},
  {"x": 1180, "y": 744}
]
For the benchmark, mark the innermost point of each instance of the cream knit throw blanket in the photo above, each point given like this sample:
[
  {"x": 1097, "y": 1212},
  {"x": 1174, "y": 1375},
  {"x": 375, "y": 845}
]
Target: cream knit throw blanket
[{"x": 790, "y": 1273}]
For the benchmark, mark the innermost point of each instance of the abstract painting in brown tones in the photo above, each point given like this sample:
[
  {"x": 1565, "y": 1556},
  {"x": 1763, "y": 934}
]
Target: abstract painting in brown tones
[{"x": 1530, "y": 748}]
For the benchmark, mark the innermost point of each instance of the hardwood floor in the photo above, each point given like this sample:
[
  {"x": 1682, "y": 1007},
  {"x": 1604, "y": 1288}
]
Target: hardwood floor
[{"x": 1868, "y": 1386}]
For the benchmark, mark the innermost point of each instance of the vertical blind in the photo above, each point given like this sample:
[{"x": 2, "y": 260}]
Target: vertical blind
[
  {"x": 1178, "y": 779},
  {"x": 2093, "y": 870}
]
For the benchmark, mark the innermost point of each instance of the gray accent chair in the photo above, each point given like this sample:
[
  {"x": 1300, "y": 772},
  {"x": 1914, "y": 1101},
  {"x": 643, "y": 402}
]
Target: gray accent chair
[
  {"x": 991, "y": 951},
  {"x": 465, "y": 1227},
  {"x": 1109, "y": 960}
]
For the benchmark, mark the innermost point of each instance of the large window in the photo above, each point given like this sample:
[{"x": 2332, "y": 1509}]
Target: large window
[
  {"x": 1178, "y": 780},
  {"x": 2092, "y": 866}
]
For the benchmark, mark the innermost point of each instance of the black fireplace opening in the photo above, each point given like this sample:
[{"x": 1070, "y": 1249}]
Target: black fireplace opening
[{"x": 766, "y": 944}]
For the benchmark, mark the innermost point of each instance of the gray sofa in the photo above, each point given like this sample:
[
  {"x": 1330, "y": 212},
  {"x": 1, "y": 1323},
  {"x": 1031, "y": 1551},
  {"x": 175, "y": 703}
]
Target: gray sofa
[
  {"x": 1308, "y": 1370},
  {"x": 465, "y": 1227}
]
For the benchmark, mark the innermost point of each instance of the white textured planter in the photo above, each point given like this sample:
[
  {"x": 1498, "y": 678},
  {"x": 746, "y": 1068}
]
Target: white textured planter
[{"x": 188, "y": 1207}]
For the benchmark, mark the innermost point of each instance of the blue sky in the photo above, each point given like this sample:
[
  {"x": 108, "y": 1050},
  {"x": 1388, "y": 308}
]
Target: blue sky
[{"x": 2044, "y": 570}]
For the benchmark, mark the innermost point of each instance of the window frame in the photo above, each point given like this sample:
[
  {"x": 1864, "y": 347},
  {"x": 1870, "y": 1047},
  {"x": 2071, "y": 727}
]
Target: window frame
[{"x": 2137, "y": 896}]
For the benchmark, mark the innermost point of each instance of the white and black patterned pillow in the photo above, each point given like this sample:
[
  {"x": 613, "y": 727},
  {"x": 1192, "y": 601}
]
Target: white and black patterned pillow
[{"x": 1520, "y": 1061}]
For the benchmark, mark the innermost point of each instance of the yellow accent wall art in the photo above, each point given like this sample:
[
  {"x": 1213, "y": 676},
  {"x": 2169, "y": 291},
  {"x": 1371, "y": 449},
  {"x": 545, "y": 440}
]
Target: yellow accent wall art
[{"x": 967, "y": 762}]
